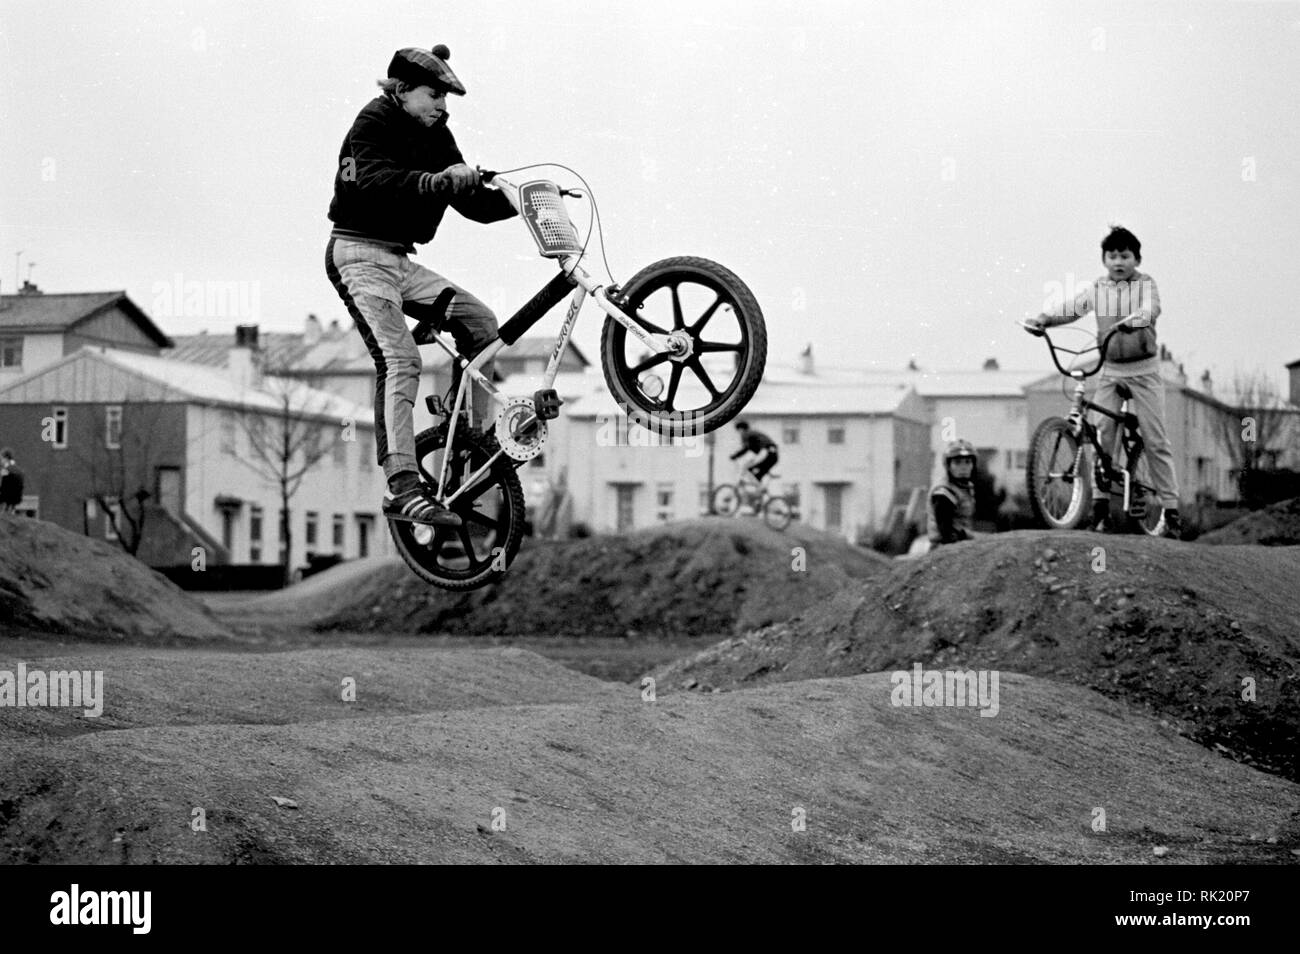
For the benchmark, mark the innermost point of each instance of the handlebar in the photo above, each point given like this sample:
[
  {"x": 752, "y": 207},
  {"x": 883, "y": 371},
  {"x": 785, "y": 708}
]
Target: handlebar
[{"x": 1101, "y": 349}]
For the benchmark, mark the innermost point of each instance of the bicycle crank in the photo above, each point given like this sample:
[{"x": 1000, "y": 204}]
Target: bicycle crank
[{"x": 520, "y": 432}]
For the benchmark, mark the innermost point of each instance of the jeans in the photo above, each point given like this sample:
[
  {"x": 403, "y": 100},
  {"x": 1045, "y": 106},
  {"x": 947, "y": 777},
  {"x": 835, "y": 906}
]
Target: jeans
[{"x": 374, "y": 283}]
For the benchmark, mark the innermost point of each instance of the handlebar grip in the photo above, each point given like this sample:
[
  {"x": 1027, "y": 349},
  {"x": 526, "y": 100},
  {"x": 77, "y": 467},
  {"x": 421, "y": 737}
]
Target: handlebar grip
[{"x": 486, "y": 175}]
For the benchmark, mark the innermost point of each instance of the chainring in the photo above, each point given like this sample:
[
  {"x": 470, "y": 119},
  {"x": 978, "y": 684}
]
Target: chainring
[{"x": 520, "y": 432}]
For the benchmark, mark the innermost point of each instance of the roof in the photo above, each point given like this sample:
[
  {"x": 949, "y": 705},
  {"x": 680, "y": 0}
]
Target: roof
[
  {"x": 337, "y": 351},
  {"x": 928, "y": 384},
  {"x": 181, "y": 381},
  {"x": 62, "y": 312}
]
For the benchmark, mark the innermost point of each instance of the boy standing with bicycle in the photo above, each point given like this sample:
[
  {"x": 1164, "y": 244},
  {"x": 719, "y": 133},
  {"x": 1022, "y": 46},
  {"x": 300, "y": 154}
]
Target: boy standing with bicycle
[
  {"x": 1132, "y": 359},
  {"x": 399, "y": 170}
]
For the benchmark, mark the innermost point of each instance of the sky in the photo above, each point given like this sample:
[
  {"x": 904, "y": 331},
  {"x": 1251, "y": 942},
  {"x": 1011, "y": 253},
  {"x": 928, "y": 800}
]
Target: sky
[{"x": 895, "y": 181}]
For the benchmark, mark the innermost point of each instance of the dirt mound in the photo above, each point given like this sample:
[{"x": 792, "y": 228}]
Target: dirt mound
[
  {"x": 1277, "y": 525},
  {"x": 1175, "y": 628},
  {"x": 712, "y": 577},
  {"x": 56, "y": 583},
  {"x": 611, "y": 777}
]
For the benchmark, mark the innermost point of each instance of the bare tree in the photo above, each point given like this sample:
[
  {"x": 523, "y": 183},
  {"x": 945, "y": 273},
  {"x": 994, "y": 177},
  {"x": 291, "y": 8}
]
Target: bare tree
[
  {"x": 1251, "y": 433},
  {"x": 286, "y": 443},
  {"x": 121, "y": 470}
]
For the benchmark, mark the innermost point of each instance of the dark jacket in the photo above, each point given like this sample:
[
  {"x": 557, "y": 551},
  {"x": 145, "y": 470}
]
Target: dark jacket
[
  {"x": 383, "y": 190},
  {"x": 11, "y": 485},
  {"x": 753, "y": 442}
]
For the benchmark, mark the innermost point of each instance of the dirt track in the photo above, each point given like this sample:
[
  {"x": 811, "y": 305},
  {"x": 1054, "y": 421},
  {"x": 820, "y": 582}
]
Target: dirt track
[
  {"x": 588, "y": 771},
  {"x": 1131, "y": 664}
]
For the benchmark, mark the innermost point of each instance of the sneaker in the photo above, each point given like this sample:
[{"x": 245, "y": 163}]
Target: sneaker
[
  {"x": 1171, "y": 525},
  {"x": 417, "y": 505}
]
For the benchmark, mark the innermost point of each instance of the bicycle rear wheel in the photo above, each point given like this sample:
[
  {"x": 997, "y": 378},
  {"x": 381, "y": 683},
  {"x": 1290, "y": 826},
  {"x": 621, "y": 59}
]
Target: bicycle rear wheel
[
  {"x": 726, "y": 500},
  {"x": 723, "y": 338},
  {"x": 776, "y": 513},
  {"x": 481, "y": 550},
  {"x": 1057, "y": 476}
]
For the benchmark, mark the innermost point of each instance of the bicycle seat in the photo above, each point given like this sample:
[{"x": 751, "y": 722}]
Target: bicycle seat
[
  {"x": 429, "y": 316},
  {"x": 1123, "y": 390}
]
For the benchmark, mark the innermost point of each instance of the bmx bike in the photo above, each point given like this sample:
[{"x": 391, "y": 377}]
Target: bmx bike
[
  {"x": 687, "y": 319},
  {"x": 1057, "y": 473},
  {"x": 749, "y": 491}
]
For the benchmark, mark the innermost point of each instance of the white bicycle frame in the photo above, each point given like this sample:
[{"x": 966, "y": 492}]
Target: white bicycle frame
[{"x": 571, "y": 265}]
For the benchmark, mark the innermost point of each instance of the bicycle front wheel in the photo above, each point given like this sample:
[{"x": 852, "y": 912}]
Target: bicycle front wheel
[
  {"x": 719, "y": 327},
  {"x": 1057, "y": 476},
  {"x": 726, "y": 500},
  {"x": 776, "y": 513}
]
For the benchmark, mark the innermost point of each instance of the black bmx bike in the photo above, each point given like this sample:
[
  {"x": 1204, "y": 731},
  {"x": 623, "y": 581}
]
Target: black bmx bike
[{"x": 1058, "y": 473}]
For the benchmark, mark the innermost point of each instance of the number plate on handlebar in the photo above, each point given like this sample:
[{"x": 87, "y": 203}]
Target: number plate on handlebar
[{"x": 543, "y": 210}]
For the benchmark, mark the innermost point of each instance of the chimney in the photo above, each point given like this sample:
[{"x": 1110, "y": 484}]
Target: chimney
[
  {"x": 311, "y": 332},
  {"x": 29, "y": 289},
  {"x": 911, "y": 365},
  {"x": 1207, "y": 383},
  {"x": 806, "y": 360},
  {"x": 1294, "y": 370},
  {"x": 991, "y": 364},
  {"x": 245, "y": 359},
  {"x": 334, "y": 328}
]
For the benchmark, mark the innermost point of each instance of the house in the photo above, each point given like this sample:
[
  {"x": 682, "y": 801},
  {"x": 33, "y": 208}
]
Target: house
[
  {"x": 985, "y": 407},
  {"x": 847, "y": 454},
  {"x": 102, "y": 427},
  {"x": 334, "y": 358},
  {"x": 38, "y": 329}
]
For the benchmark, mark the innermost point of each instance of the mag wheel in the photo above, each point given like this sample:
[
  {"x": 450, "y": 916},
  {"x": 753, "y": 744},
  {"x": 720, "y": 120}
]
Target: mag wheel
[
  {"x": 776, "y": 514},
  {"x": 1057, "y": 475},
  {"x": 721, "y": 342},
  {"x": 492, "y": 513},
  {"x": 726, "y": 500}
]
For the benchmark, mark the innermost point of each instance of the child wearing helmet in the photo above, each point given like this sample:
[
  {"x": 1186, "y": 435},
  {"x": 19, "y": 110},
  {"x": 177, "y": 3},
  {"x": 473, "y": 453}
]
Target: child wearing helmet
[
  {"x": 399, "y": 171},
  {"x": 952, "y": 500}
]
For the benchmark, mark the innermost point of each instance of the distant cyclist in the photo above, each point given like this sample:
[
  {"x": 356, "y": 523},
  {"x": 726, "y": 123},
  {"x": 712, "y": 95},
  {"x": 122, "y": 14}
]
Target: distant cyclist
[
  {"x": 952, "y": 500},
  {"x": 758, "y": 443}
]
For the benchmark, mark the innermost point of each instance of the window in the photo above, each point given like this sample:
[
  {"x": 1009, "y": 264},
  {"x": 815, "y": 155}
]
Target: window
[
  {"x": 168, "y": 490},
  {"x": 623, "y": 507},
  {"x": 255, "y": 524},
  {"x": 790, "y": 434},
  {"x": 57, "y": 434},
  {"x": 338, "y": 533},
  {"x": 365, "y": 450},
  {"x": 1016, "y": 459},
  {"x": 228, "y": 529},
  {"x": 11, "y": 353},
  {"x": 835, "y": 434},
  {"x": 112, "y": 514},
  {"x": 705, "y": 500},
  {"x": 664, "y": 502},
  {"x": 113, "y": 427},
  {"x": 538, "y": 461},
  {"x": 312, "y": 519},
  {"x": 1016, "y": 411}
]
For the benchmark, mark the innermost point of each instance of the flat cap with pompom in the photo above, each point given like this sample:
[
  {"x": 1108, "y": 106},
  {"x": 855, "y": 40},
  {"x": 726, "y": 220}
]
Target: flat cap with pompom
[{"x": 426, "y": 68}]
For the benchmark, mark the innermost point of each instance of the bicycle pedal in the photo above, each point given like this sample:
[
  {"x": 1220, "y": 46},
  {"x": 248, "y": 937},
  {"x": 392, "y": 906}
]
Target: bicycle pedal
[{"x": 546, "y": 403}]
